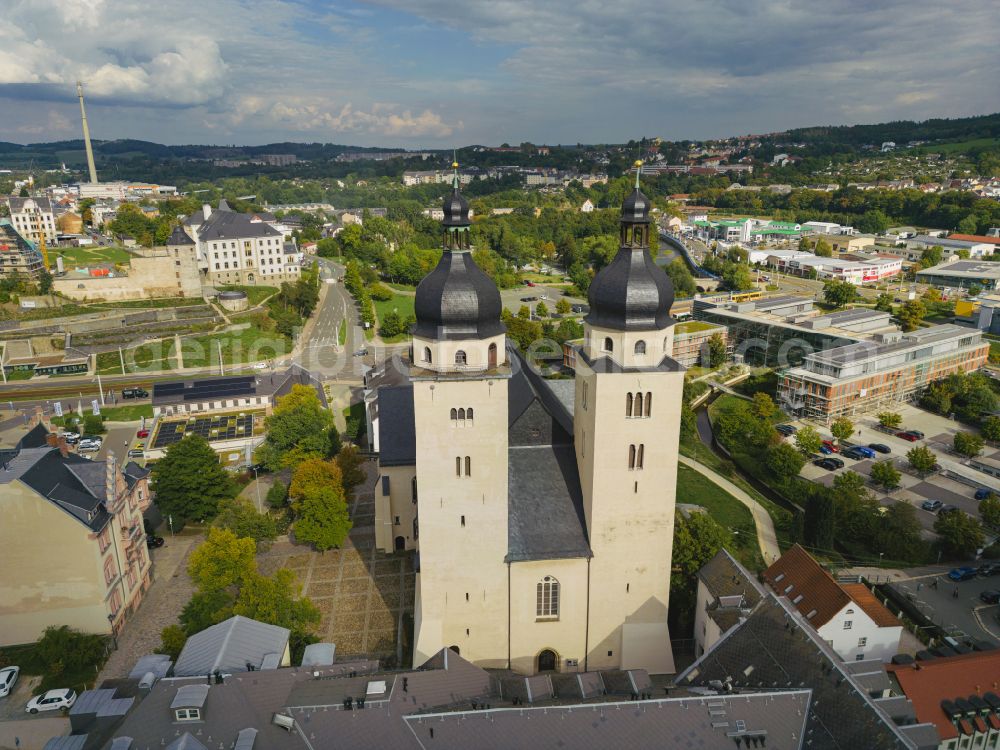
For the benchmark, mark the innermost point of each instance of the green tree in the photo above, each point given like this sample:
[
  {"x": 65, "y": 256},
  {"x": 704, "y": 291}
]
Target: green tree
[
  {"x": 277, "y": 601},
  {"x": 563, "y": 306},
  {"x": 44, "y": 282},
  {"x": 172, "y": 640},
  {"x": 241, "y": 517},
  {"x": 961, "y": 534},
  {"x": 541, "y": 310},
  {"x": 968, "y": 225},
  {"x": 823, "y": 248},
  {"x": 222, "y": 561},
  {"x": 697, "y": 539},
  {"x": 921, "y": 458},
  {"x": 989, "y": 509},
  {"x": 991, "y": 429},
  {"x": 808, "y": 440},
  {"x": 66, "y": 650},
  {"x": 206, "y": 608},
  {"x": 886, "y": 475},
  {"x": 968, "y": 444},
  {"x": 884, "y": 302},
  {"x": 680, "y": 276},
  {"x": 189, "y": 481},
  {"x": 392, "y": 325},
  {"x": 784, "y": 461},
  {"x": 839, "y": 293},
  {"x": 937, "y": 398},
  {"x": 93, "y": 424},
  {"x": 911, "y": 313},
  {"x": 820, "y": 520},
  {"x": 310, "y": 476},
  {"x": 890, "y": 419},
  {"x": 277, "y": 495},
  {"x": 524, "y": 312},
  {"x": 351, "y": 465},
  {"x": 763, "y": 406},
  {"x": 842, "y": 428},
  {"x": 931, "y": 256},
  {"x": 323, "y": 519},
  {"x": 716, "y": 351},
  {"x": 737, "y": 277},
  {"x": 297, "y": 429}
]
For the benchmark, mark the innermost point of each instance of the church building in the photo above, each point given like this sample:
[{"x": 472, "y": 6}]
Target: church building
[{"x": 542, "y": 511}]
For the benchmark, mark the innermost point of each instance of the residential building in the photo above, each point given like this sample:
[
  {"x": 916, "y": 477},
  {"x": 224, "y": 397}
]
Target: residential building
[
  {"x": 958, "y": 695},
  {"x": 691, "y": 341},
  {"x": 239, "y": 644},
  {"x": 587, "y": 207},
  {"x": 510, "y": 486},
  {"x": 847, "y": 616},
  {"x": 727, "y": 594},
  {"x": 779, "y": 331},
  {"x": 892, "y": 368},
  {"x": 206, "y": 395},
  {"x": 438, "y": 176},
  {"x": 73, "y": 543},
  {"x": 33, "y": 219},
  {"x": 244, "y": 249},
  {"x": 963, "y": 274},
  {"x": 18, "y": 256},
  {"x": 977, "y": 239}
]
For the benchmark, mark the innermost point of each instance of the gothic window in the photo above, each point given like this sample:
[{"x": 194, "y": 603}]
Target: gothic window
[
  {"x": 461, "y": 414},
  {"x": 608, "y": 344},
  {"x": 635, "y": 456},
  {"x": 460, "y": 358},
  {"x": 631, "y": 456},
  {"x": 468, "y": 413},
  {"x": 547, "y": 597},
  {"x": 628, "y": 404},
  {"x": 638, "y": 458},
  {"x": 640, "y": 347},
  {"x": 649, "y": 403},
  {"x": 427, "y": 354},
  {"x": 468, "y": 466},
  {"x": 458, "y": 466},
  {"x": 637, "y": 406},
  {"x": 492, "y": 356},
  {"x": 454, "y": 414}
]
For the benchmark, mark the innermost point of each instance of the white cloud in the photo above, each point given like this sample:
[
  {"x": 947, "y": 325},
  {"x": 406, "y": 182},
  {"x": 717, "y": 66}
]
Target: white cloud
[{"x": 383, "y": 119}]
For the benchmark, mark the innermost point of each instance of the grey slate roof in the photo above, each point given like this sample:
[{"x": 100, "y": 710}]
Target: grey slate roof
[
  {"x": 724, "y": 576},
  {"x": 397, "y": 435},
  {"x": 158, "y": 664},
  {"x": 70, "y": 742},
  {"x": 179, "y": 237},
  {"x": 776, "y": 649},
  {"x": 229, "y": 646},
  {"x": 457, "y": 300},
  {"x": 318, "y": 655},
  {"x": 17, "y": 204},
  {"x": 186, "y": 741},
  {"x": 225, "y": 224}
]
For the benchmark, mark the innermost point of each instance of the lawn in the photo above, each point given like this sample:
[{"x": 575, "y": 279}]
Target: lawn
[
  {"x": 342, "y": 332},
  {"x": 129, "y": 413},
  {"x": 20, "y": 375},
  {"x": 156, "y": 355},
  {"x": 238, "y": 347},
  {"x": 401, "y": 303},
  {"x": 143, "y": 304},
  {"x": 690, "y": 326},
  {"x": 696, "y": 489},
  {"x": 75, "y": 257},
  {"x": 255, "y": 294},
  {"x": 994, "y": 351},
  {"x": 961, "y": 146}
]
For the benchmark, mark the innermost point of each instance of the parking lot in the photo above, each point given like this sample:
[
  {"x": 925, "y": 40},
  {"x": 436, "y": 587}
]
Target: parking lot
[
  {"x": 913, "y": 489},
  {"x": 964, "y": 616},
  {"x": 514, "y": 298}
]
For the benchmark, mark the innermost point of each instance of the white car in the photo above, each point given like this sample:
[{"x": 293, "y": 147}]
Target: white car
[
  {"x": 90, "y": 444},
  {"x": 51, "y": 701},
  {"x": 8, "y": 676}
]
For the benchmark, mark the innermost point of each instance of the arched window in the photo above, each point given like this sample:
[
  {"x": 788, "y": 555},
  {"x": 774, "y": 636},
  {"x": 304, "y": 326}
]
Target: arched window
[
  {"x": 427, "y": 354},
  {"x": 468, "y": 413},
  {"x": 458, "y": 466},
  {"x": 468, "y": 466},
  {"x": 491, "y": 356},
  {"x": 628, "y": 404},
  {"x": 637, "y": 410},
  {"x": 547, "y": 597},
  {"x": 460, "y": 358},
  {"x": 638, "y": 458},
  {"x": 649, "y": 403},
  {"x": 665, "y": 344},
  {"x": 461, "y": 414},
  {"x": 454, "y": 414},
  {"x": 609, "y": 345},
  {"x": 640, "y": 347},
  {"x": 631, "y": 456}
]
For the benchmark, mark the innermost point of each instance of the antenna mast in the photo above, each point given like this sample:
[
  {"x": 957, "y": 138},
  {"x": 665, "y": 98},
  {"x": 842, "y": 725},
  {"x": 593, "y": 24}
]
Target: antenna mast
[{"x": 86, "y": 135}]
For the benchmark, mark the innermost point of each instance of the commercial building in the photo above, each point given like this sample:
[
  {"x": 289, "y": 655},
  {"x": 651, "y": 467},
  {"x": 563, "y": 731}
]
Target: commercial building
[
  {"x": 963, "y": 274},
  {"x": 856, "y": 269},
  {"x": 246, "y": 249},
  {"x": 978, "y": 239},
  {"x": 73, "y": 543},
  {"x": 847, "y": 616},
  {"x": 691, "y": 341},
  {"x": 33, "y": 218},
  {"x": 891, "y": 368},
  {"x": 510, "y": 487},
  {"x": 976, "y": 248},
  {"x": 207, "y": 395},
  {"x": 18, "y": 256},
  {"x": 780, "y": 331}
]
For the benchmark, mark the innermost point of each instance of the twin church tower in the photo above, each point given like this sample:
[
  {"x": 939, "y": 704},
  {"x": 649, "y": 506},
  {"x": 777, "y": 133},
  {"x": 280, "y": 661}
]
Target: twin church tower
[{"x": 542, "y": 510}]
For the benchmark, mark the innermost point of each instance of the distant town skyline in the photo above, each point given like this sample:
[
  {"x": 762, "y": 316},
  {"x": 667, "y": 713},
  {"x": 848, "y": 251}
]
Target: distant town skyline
[{"x": 427, "y": 73}]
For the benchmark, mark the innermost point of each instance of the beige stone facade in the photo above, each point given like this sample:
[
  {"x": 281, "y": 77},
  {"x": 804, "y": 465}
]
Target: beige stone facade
[
  {"x": 63, "y": 567},
  {"x": 152, "y": 273}
]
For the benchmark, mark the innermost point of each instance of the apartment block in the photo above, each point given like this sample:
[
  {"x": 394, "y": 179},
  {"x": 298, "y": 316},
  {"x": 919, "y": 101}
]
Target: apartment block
[
  {"x": 691, "y": 341},
  {"x": 33, "y": 218},
  {"x": 17, "y": 255}
]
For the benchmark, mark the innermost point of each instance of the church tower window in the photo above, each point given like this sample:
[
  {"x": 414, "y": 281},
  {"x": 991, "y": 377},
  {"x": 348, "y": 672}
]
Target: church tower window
[
  {"x": 640, "y": 347},
  {"x": 460, "y": 358},
  {"x": 547, "y": 598},
  {"x": 427, "y": 355},
  {"x": 609, "y": 345}
]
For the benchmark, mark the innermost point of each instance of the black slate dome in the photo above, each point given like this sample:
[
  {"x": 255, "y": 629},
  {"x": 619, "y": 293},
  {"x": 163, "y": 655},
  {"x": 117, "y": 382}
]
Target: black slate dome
[
  {"x": 456, "y": 210},
  {"x": 635, "y": 208},
  {"x": 457, "y": 300}
]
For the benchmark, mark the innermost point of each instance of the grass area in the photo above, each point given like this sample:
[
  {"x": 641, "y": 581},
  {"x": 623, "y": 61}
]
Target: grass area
[
  {"x": 994, "y": 351},
  {"x": 354, "y": 416},
  {"x": 542, "y": 278},
  {"x": 129, "y": 413},
  {"x": 696, "y": 489},
  {"x": 401, "y": 287},
  {"x": 342, "y": 332},
  {"x": 20, "y": 375},
  {"x": 145, "y": 304},
  {"x": 401, "y": 303},
  {"x": 961, "y": 146},
  {"x": 156, "y": 355},
  {"x": 75, "y": 257},
  {"x": 691, "y": 326},
  {"x": 255, "y": 294},
  {"x": 238, "y": 347}
]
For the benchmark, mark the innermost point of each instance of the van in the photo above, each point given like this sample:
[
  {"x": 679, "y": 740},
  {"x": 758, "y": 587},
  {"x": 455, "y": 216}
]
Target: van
[{"x": 134, "y": 393}]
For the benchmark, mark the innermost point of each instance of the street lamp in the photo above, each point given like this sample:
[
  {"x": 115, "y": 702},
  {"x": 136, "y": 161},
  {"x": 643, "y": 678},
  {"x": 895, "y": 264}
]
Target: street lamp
[{"x": 880, "y": 554}]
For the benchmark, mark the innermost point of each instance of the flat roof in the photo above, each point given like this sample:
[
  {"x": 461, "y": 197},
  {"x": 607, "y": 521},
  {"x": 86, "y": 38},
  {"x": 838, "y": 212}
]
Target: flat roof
[{"x": 965, "y": 269}]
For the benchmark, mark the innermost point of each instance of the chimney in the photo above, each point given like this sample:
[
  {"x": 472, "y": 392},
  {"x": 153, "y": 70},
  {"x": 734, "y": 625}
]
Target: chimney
[
  {"x": 207, "y": 210},
  {"x": 52, "y": 440},
  {"x": 61, "y": 445}
]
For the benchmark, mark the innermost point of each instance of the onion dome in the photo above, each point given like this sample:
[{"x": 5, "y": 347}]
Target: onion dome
[
  {"x": 632, "y": 293},
  {"x": 456, "y": 208}
]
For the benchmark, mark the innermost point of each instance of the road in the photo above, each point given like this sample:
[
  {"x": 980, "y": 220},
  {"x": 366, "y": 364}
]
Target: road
[{"x": 319, "y": 350}]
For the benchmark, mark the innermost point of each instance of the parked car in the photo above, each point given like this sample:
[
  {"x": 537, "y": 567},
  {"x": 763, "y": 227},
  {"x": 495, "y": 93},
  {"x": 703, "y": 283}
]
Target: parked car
[
  {"x": 990, "y": 597},
  {"x": 529, "y": 299},
  {"x": 825, "y": 450},
  {"x": 786, "y": 429},
  {"x": 8, "y": 676},
  {"x": 834, "y": 448},
  {"x": 52, "y": 701},
  {"x": 361, "y": 353},
  {"x": 858, "y": 452},
  {"x": 932, "y": 505},
  {"x": 880, "y": 447},
  {"x": 153, "y": 541},
  {"x": 947, "y": 509},
  {"x": 137, "y": 453},
  {"x": 142, "y": 434},
  {"x": 983, "y": 492},
  {"x": 72, "y": 438},
  {"x": 830, "y": 464},
  {"x": 918, "y": 433},
  {"x": 89, "y": 444},
  {"x": 135, "y": 393},
  {"x": 906, "y": 435},
  {"x": 579, "y": 308},
  {"x": 529, "y": 283},
  {"x": 962, "y": 574},
  {"x": 989, "y": 569}
]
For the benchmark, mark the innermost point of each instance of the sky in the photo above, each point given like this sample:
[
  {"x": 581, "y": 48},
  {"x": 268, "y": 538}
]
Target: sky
[{"x": 441, "y": 73}]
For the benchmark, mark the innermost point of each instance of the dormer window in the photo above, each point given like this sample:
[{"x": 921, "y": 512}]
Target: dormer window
[
  {"x": 187, "y": 714},
  {"x": 189, "y": 702}
]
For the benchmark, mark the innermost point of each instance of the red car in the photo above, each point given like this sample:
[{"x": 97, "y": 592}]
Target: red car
[
  {"x": 830, "y": 444},
  {"x": 912, "y": 437},
  {"x": 142, "y": 434}
]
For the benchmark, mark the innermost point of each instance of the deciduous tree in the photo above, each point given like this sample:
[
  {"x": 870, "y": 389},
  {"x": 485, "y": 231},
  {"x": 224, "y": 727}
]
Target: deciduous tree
[
  {"x": 189, "y": 481},
  {"x": 968, "y": 444},
  {"x": 222, "y": 561},
  {"x": 297, "y": 429},
  {"x": 716, "y": 351},
  {"x": 885, "y": 474},
  {"x": 989, "y": 509},
  {"x": 808, "y": 440},
  {"x": 890, "y": 419},
  {"x": 277, "y": 601},
  {"x": 961, "y": 534},
  {"x": 921, "y": 458},
  {"x": 842, "y": 428},
  {"x": 784, "y": 461}
]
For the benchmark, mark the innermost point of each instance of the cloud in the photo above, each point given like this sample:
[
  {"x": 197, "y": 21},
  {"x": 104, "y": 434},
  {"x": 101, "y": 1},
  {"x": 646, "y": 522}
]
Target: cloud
[{"x": 383, "y": 119}]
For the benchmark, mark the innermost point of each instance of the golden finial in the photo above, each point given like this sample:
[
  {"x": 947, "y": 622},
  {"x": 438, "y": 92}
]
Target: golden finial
[
  {"x": 454, "y": 165},
  {"x": 638, "y": 170},
  {"x": 637, "y": 163}
]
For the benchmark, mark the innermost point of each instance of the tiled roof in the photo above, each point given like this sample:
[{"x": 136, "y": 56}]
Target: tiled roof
[
  {"x": 872, "y": 606},
  {"x": 928, "y": 683},
  {"x": 796, "y": 574}
]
